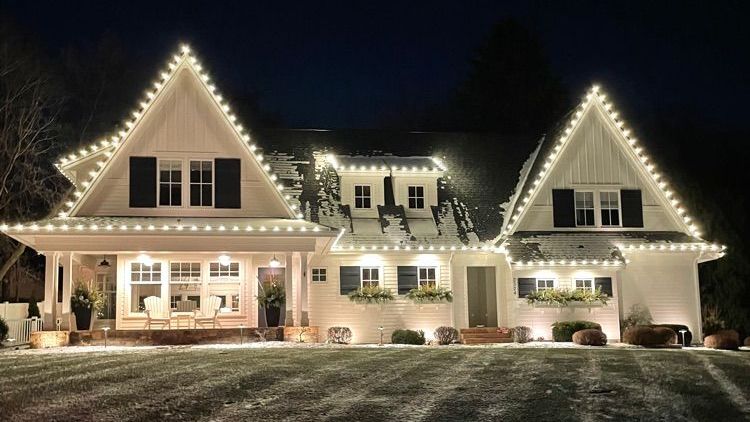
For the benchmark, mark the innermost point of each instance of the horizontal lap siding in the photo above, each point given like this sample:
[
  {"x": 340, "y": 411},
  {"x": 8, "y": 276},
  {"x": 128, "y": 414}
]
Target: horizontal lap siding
[{"x": 329, "y": 308}]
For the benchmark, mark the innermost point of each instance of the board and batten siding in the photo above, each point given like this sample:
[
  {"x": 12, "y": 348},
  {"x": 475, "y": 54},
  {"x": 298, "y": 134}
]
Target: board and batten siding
[
  {"x": 540, "y": 319},
  {"x": 329, "y": 308},
  {"x": 594, "y": 161},
  {"x": 183, "y": 124}
]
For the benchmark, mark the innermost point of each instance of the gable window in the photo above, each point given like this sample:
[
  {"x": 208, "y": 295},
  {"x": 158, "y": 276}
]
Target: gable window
[
  {"x": 170, "y": 183},
  {"x": 584, "y": 209},
  {"x": 584, "y": 284},
  {"x": 610, "y": 208},
  {"x": 319, "y": 275},
  {"x": 427, "y": 276},
  {"x": 362, "y": 196},
  {"x": 416, "y": 197},
  {"x": 370, "y": 276},
  {"x": 544, "y": 284},
  {"x": 201, "y": 183}
]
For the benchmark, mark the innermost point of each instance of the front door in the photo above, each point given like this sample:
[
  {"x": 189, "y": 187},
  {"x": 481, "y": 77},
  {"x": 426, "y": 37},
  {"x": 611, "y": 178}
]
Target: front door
[{"x": 482, "y": 296}]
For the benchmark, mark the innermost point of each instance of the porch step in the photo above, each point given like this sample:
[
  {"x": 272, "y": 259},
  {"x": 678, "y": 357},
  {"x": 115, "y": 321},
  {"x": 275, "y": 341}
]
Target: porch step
[{"x": 484, "y": 335}]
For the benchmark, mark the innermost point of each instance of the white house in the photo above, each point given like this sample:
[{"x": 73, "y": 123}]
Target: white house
[{"x": 182, "y": 204}]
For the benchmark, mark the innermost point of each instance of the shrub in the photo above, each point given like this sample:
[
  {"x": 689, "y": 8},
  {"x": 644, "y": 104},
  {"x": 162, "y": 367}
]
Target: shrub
[
  {"x": 723, "y": 339},
  {"x": 408, "y": 337},
  {"x": 430, "y": 293},
  {"x": 521, "y": 334},
  {"x": 3, "y": 330},
  {"x": 563, "y": 297},
  {"x": 676, "y": 328},
  {"x": 590, "y": 337},
  {"x": 33, "y": 310},
  {"x": 642, "y": 335},
  {"x": 446, "y": 335},
  {"x": 712, "y": 321},
  {"x": 339, "y": 335},
  {"x": 637, "y": 315},
  {"x": 563, "y": 330},
  {"x": 371, "y": 294},
  {"x": 747, "y": 341}
]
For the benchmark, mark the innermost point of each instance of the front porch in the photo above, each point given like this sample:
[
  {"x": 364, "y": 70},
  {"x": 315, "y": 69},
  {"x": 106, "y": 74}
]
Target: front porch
[{"x": 177, "y": 337}]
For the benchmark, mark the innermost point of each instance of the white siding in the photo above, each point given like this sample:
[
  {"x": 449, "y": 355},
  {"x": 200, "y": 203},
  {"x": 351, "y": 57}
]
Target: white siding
[
  {"x": 595, "y": 160},
  {"x": 667, "y": 283},
  {"x": 329, "y": 308},
  {"x": 376, "y": 184},
  {"x": 184, "y": 123},
  {"x": 540, "y": 319}
]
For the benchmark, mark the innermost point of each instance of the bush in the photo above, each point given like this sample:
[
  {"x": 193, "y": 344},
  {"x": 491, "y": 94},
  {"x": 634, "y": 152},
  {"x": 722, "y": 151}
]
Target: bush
[
  {"x": 3, "y": 330},
  {"x": 676, "y": 328},
  {"x": 637, "y": 315},
  {"x": 563, "y": 330},
  {"x": 408, "y": 337},
  {"x": 723, "y": 339},
  {"x": 446, "y": 335},
  {"x": 590, "y": 337},
  {"x": 339, "y": 335},
  {"x": 521, "y": 334},
  {"x": 747, "y": 341},
  {"x": 33, "y": 309},
  {"x": 642, "y": 335}
]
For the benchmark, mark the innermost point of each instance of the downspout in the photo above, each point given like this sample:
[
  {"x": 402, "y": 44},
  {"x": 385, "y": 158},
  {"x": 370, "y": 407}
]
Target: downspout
[{"x": 450, "y": 273}]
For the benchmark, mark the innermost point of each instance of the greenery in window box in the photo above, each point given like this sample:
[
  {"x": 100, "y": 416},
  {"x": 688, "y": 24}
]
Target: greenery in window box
[
  {"x": 564, "y": 297},
  {"x": 371, "y": 294},
  {"x": 430, "y": 293}
]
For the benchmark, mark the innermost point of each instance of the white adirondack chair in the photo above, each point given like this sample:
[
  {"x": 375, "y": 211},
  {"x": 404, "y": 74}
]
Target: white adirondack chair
[
  {"x": 155, "y": 312},
  {"x": 209, "y": 312}
]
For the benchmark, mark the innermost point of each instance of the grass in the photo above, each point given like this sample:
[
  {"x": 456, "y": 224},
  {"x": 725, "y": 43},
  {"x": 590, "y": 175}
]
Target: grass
[{"x": 376, "y": 384}]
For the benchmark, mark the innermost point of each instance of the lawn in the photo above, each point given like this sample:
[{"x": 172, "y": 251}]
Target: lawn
[{"x": 375, "y": 384}]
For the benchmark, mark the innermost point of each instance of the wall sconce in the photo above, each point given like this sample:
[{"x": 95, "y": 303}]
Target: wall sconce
[
  {"x": 274, "y": 262},
  {"x": 145, "y": 260},
  {"x": 224, "y": 260}
]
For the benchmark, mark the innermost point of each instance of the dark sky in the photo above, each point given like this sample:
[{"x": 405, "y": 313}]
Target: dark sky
[{"x": 347, "y": 65}]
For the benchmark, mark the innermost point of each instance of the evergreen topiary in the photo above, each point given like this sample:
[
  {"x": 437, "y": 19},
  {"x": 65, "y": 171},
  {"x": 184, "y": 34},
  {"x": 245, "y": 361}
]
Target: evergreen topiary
[
  {"x": 33, "y": 309},
  {"x": 563, "y": 330}
]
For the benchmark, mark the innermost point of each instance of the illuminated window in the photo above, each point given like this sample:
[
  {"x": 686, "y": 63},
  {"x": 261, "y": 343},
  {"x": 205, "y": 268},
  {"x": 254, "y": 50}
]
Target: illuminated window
[{"x": 145, "y": 281}]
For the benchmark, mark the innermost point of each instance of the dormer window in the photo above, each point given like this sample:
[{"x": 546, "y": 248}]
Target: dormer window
[
  {"x": 201, "y": 183},
  {"x": 170, "y": 183},
  {"x": 610, "y": 208},
  {"x": 584, "y": 209},
  {"x": 362, "y": 196},
  {"x": 416, "y": 197}
]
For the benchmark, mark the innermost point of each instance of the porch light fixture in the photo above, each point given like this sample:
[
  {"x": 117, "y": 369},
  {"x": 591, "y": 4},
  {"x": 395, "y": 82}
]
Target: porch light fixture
[
  {"x": 274, "y": 262},
  {"x": 104, "y": 264},
  {"x": 145, "y": 260},
  {"x": 224, "y": 260}
]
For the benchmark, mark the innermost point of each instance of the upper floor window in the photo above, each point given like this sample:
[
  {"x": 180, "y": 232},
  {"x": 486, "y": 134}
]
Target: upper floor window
[
  {"x": 584, "y": 284},
  {"x": 370, "y": 276},
  {"x": 584, "y": 209},
  {"x": 416, "y": 197},
  {"x": 201, "y": 183},
  {"x": 362, "y": 196},
  {"x": 544, "y": 284},
  {"x": 427, "y": 276},
  {"x": 170, "y": 183},
  {"x": 610, "y": 208}
]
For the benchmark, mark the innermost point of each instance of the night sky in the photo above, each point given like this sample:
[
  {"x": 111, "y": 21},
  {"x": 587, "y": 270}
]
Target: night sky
[{"x": 341, "y": 65}]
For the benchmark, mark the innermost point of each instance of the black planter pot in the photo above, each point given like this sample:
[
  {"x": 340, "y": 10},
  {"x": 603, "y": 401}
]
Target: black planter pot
[
  {"x": 272, "y": 316},
  {"x": 83, "y": 318}
]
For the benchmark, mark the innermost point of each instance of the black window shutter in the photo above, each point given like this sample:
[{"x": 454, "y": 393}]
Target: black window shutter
[
  {"x": 349, "y": 279},
  {"x": 407, "y": 279},
  {"x": 604, "y": 283},
  {"x": 563, "y": 208},
  {"x": 632, "y": 208},
  {"x": 142, "y": 182},
  {"x": 526, "y": 286},
  {"x": 227, "y": 183}
]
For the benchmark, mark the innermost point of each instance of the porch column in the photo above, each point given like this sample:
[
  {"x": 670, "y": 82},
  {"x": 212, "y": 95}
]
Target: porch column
[
  {"x": 304, "y": 303},
  {"x": 49, "y": 307},
  {"x": 289, "y": 287},
  {"x": 67, "y": 289},
  {"x": 297, "y": 288}
]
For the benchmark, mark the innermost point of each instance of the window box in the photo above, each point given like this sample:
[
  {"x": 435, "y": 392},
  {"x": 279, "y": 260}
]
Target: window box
[{"x": 564, "y": 297}]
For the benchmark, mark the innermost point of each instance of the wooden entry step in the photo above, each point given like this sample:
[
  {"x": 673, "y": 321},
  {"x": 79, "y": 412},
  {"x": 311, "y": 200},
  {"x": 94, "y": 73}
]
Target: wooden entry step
[{"x": 484, "y": 335}]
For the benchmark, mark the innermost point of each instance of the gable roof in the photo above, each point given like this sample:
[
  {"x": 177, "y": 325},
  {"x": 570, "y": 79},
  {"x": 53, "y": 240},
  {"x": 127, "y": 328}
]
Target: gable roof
[
  {"x": 551, "y": 150},
  {"x": 107, "y": 150}
]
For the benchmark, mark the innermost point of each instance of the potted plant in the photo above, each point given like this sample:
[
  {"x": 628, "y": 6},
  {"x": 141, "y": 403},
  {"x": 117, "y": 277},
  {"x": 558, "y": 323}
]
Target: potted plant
[
  {"x": 86, "y": 300},
  {"x": 271, "y": 298}
]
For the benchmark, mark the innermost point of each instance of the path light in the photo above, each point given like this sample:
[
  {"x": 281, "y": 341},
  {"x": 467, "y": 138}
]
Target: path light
[
  {"x": 381, "y": 328},
  {"x": 683, "y": 331},
  {"x": 106, "y": 329}
]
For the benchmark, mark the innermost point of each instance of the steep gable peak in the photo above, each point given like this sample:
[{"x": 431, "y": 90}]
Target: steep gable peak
[{"x": 106, "y": 150}]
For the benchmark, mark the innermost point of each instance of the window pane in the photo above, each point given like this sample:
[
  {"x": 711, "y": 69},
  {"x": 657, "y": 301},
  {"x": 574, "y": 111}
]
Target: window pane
[
  {"x": 195, "y": 195},
  {"x": 195, "y": 174},
  {"x": 605, "y": 218},
  {"x": 180, "y": 295},
  {"x": 366, "y": 203},
  {"x": 207, "y": 173},
  {"x": 176, "y": 195},
  {"x": 615, "y": 217},
  {"x": 207, "y": 196},
  {"x": 366, "y": 190},
  {"x": 138, "y": 294}
]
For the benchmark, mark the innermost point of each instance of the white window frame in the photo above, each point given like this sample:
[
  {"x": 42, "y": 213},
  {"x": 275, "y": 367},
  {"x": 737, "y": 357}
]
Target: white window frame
[
  {"x": 190, "y": 271},
  {"x": 170, "y": 182},
  {"x": 546, "y": 282},
  {"x": 610, "y": 209},
  {"x": 584, "y": 280},
  {"x": 370, "y": 279},
  {"x": 416, "y": 198},
  {"x": 428, "y": 279},
  {"x": 363, "y": 197},
  {"x": 593, "y": 207},
  {"x": 190, "y": 183},
  {"x": 321, "y": 277},
  {"x": 140, "y": 282},
  {"x": 225, "y": 278}
]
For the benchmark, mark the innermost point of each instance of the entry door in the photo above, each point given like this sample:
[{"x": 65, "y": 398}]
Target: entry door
[{"x": 482, "y": 296}]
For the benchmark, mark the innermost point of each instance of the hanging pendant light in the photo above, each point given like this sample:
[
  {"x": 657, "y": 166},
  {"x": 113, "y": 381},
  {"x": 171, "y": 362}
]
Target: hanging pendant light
[
  {"x": 104, "y": 264},
  {"x": 274, "y": 262}
]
